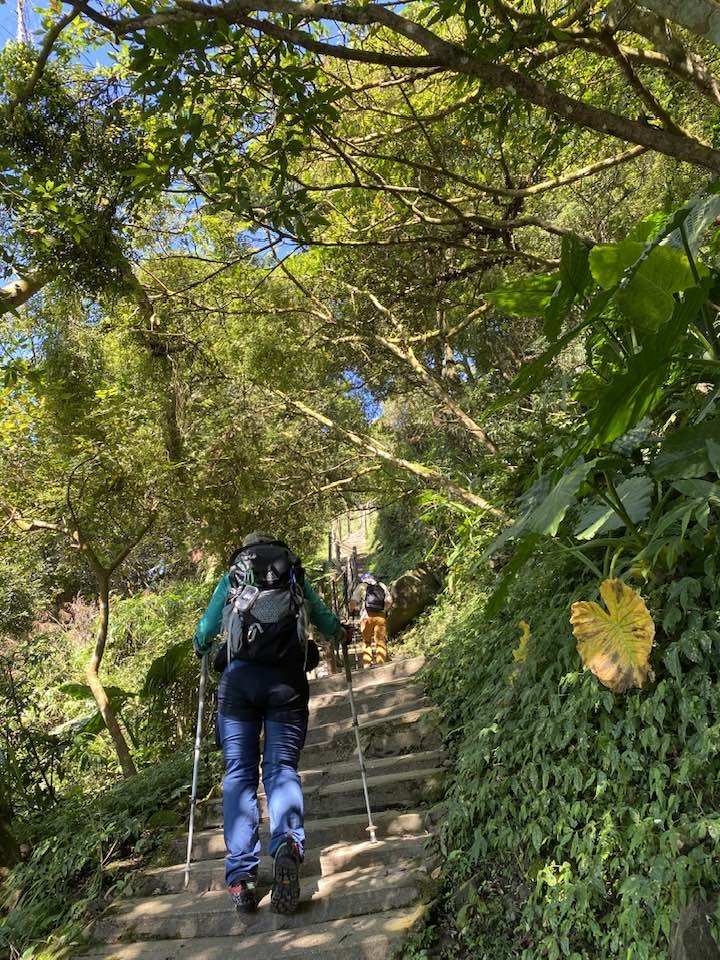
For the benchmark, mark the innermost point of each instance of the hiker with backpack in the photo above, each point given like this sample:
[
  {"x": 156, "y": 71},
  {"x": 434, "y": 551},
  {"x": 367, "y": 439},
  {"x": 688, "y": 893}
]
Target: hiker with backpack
[
  {"x": 263, "y": 606},
  {"x": 373, "y": 599}
]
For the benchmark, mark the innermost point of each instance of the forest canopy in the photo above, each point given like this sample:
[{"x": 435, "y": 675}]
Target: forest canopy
[{"x": 268, "y": 261}]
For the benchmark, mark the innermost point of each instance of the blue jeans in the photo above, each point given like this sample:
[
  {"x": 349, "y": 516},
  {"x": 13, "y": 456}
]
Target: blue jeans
[{"x": 251, "y": 696}]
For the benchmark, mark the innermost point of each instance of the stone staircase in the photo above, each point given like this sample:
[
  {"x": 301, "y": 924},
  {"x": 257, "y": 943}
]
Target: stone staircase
[{"x": 358, "y": 898}]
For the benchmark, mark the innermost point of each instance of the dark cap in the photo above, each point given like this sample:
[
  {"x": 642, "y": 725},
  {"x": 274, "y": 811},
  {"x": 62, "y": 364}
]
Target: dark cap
[{"x": 257, "y": 536}]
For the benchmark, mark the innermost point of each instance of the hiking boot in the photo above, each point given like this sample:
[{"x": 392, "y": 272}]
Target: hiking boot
[
  {"x": 285, "y": 894},
  {"x": 244, "y": 895}
]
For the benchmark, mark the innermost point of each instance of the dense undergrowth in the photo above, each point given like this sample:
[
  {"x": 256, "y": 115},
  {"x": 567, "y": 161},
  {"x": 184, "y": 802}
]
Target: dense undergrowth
[
  {"x": 578, "y": 822},
  {"x": 86, "y": 852},
  {"x": 85, "y": 843}
]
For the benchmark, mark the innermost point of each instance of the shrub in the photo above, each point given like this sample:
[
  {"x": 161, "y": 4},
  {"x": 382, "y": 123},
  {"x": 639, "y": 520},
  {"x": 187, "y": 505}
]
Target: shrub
[
  {"x": 579, "y": 821},
  {"x": 72, "y": 871}
]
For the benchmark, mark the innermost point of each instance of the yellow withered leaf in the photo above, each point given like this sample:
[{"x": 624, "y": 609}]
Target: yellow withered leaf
[
  {"x": 520, "y": 652},
  {"x": 615, "y": 644}
]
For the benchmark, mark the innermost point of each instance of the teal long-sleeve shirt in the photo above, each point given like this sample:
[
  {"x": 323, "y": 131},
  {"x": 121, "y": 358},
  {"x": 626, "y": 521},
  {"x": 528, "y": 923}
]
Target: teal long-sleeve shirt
[{"x": 211, "y": 621}]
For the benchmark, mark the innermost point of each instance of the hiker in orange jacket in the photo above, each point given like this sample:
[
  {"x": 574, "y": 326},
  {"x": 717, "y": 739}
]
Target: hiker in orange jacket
[{"x": 373, "y": 599}]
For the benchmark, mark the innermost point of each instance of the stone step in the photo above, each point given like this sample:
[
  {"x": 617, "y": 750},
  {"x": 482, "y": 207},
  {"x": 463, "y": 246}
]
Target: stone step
[
  {"x": 353, "y": 893},
  {"x": 210, "y": 845},
  {"x": 356, "y": 897},
  {"x": 348, "y": 769},
  {"x": 210, "y": 874},
  {"x": 373, "y": 676},
  {"x": 390, "y": 791},
  {"x": 394, "y": 735},
  {"x": 345, "y": 770},
  {"x": 334, "y": 706},
  {"x": 328, "y": 731},
  {"x": 370, "y": 937}
]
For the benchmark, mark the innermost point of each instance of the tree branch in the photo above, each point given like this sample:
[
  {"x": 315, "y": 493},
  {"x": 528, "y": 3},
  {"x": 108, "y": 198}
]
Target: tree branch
[
  {"x": 18, "y": 292},
  {"x": 408, "y": 356},
  {"x": 553, "y": 183},
  {"x": 346, "y": 480},
  {"x": 651, "y": 102},
  {"x": 43, "y": 57},
  {"x": 370, "y": 446},
  {"x": 582, "y": 8},
  {"x": 701, "y": 17},
  {"x": 440, "y": 53},
  {"x": 678, "y": 63},
  {"x": 28, "y": 525},
  {"x": 122, "y": 556}
]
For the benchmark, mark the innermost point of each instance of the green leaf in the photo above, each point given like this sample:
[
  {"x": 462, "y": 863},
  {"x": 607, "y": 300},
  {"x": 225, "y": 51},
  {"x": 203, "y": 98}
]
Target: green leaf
[
  {"x": 672, "y": 662},
  {"x": 546, "y": 514},
  {"x": 81, "y": 691},
  {"x": 525, "y": 297},
  {"x": 524, "y": 551},
  {"x": 637, "y": 437},
  {"x": 549, "y": 514},
  {"x": 700, "y": 212},
  {"x": 532, "y": 374},
  {"x": 574, "y": 277},
  {"x": 574, "y": 264},
  {"x": 646, "y": 296},
  {"x": 609, "y": 262},
  {"x": 633, "y": 393},
  {"x": 90, "y": 723},
  {"x": 78, "y": 691},
  {"x": 689, "y": 452},
  {"x": 628, "y": 397},
  {"x": 701, "y": 490},
  {"x": 635, "y": 494},
  {"x": 166, "y": 669},
  {"x": 557, "y": 310},
  {"x": 648, "y": 227}
]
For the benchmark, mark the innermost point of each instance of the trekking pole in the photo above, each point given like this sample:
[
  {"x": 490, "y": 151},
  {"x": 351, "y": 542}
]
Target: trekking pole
[
  {"x": 356, "y": 727},
  {"x": 196, "y": 764}
]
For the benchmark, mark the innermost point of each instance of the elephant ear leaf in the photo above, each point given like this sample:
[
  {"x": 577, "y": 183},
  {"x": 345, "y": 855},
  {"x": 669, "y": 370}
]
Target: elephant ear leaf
[{"x": 615, "y": 644}]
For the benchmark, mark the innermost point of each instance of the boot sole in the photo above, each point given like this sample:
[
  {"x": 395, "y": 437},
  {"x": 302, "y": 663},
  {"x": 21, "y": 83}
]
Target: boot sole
[{"x": 285, "y": 894}]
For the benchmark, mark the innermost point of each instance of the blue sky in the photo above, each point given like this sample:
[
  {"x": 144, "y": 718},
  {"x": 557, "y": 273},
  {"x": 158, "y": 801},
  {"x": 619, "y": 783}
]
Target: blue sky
[
  {"x": 7, "y": 21},
  {"x": 8, "y": 27}
]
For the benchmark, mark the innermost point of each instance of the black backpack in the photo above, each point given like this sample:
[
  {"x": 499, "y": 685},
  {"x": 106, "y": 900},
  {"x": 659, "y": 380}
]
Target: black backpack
[
  {"x": 374, "y": 598},
  {"x": 264, "y": 617}
]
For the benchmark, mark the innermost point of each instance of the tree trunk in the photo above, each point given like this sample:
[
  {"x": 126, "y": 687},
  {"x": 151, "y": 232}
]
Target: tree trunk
[
  {"x": 701, "y": 17},
  {"x": 9, "y": 849},
  {"x": 98, "y": 691}
]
